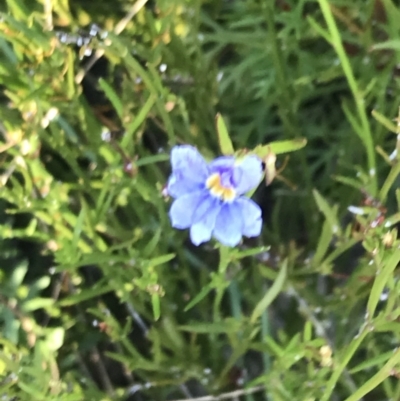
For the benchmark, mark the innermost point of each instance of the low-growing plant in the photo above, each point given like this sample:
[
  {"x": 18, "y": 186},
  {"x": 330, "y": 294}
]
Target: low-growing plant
[{"x": 199, "y": 200}]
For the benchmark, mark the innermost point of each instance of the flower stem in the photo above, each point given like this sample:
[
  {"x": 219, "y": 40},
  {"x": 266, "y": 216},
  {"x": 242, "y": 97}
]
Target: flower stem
[{"x": 224, "y": 259}]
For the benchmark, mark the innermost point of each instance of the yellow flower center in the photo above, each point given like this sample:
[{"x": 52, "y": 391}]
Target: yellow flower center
[{"x": 217, "y": 189}]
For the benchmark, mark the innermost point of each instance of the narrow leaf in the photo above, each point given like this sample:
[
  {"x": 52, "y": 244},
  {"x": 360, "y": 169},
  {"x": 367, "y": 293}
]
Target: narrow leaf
[
  {"x": 393, "y": 44},
  {"x": 112, "y": 97},
  {"x": 384, "y": 121},
  {"x": 204, "y": 291},
  {"x": 279, "y": 147},
  {"x": 381, "y": 281},
  {"x": 271, "y": 294},
  {"x": 229, "y": 326},
  {"x": 390, "y": 180},
  {"x": 323, "y": 243},
  {"x": 135, "y": 124},
  {"x": 155, "y": 301},
  {"x": 328, "y": 212},
  {"x": 85, "y": 295},
  {"x": 225, "y": 143},
  {"x": 385, "y": 372}
]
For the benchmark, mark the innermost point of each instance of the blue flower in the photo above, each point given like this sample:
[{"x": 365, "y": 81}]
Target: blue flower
[{"x": 209, "y": 196}]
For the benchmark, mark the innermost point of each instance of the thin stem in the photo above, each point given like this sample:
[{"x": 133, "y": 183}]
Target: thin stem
[
  {"x": 95, "y": 357},
  {"x": 136, "y": 317},
  {"x": 224, "y": 260},
  {"x": 234, "y": 295}
]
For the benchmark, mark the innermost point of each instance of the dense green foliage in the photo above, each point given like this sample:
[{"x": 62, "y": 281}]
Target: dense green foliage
[{"x": 100, "y": 298}]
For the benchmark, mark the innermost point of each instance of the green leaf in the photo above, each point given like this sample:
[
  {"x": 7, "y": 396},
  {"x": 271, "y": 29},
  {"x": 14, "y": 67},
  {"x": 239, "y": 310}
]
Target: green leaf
[
  {"x": 371, "y": 362},
  {"x": 151, "y": 80},
  {"x": 225, "y": 143},
  {"x": 381, "y": 280},
  {"x": 272, "y": 293},
  {"x": 85, "y": 295},
  {"x": 351, "y": 182},
  {"x": 353, "y": 121},
  {"x": 152, "y": 159},
  {"x": 323, "y": 32},
  {"x": 55, "y": 339},
  {"x": 390, "y": 180},
  {"x": 393, "y": 44},
  {"x": 133, "y": 363},
  {"x": 8, "y": 52},
  {"x": 227, "y": 326},
  {"x": 340, "y": 250},
  {"x": 323, "y": 243},
  {"x": 155, "y": 302},
  {"x": 239, "y": 254},
  {"x": 384, "y": 121},
  {"x": 204, "y": 291},
  {"x": 112, "y": 97},
  {"x": 138, "y": 120},
  {"x": 160, "y": 259},
  {"x": 71, "y": 134},
  {"x": 19, "y": 274},
  {"x": 77, "y": 230},
  {"x": 17, "y": 8},
  {"x": 31, "y": 390},
  {"x": 385, "y": 372},
  {"x": 328, "y": 212},
  {"x": 279, "y": 147},
  {"x": 151, "y": 245},
  {"x": 37, "y": 303}
]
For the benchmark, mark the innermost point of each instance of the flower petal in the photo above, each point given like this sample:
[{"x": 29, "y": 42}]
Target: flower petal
[
  {"x": 229, "y": 224},
  {"x": 221, "y": 164},
  {"x": 204, "y": 220},
  {"x": 189, "y": 171},
  {"x": 179, "y": 185},
  {"x": 247, "y": 174},
  {"x": 186, "y": 160},
  {"x": 251, "y": 214},
  {"x": 184, "y": 208}
]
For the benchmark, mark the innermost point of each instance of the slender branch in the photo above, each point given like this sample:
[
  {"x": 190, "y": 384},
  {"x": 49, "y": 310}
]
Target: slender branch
[
  {"x": 132, "y": 12},
  {"x": 96, "y": 358},
  {"x": 136, "y": 317}
]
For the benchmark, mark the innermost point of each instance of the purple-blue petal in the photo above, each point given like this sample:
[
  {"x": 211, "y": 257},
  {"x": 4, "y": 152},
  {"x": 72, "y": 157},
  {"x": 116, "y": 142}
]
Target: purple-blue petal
[
  {"x": 189, "y": 171},
  {"x": 204, "y": 220},
  {"x": 187, "y": 161},
  {"x": 251, "y": 214},
  {"x": 229, "y": 224},
  {"x": 247, "y": 174},
  {"x": 179, "y": 185},
  {"x": 184, "y": 208},
  {"x": 222, "y": 163}
]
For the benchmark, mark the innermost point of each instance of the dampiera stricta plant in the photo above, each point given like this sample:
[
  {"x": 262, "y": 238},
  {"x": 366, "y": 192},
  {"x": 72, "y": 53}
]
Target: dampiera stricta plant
[{"x": 209, "y": 196}]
